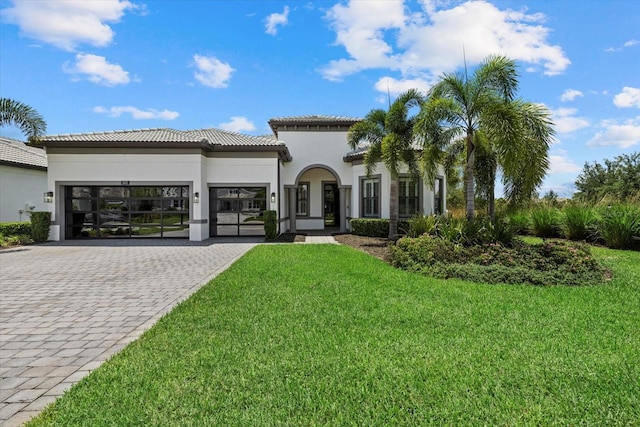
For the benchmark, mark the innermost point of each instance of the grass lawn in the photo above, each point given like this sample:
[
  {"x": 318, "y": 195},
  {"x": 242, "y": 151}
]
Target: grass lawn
[{"x": 326, "y": 335}]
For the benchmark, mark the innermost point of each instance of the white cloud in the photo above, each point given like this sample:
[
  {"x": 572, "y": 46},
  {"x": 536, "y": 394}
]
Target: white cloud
[
  {"x": 388, "y": 35},
  {"x": 98, "y": 70},
  {"x": 560, "y": 163},
  {"x": 276, "y": 19},
  {"x": 66, "y": 24},
  {"x": 622, "y": 135},
  {"x": 136, "y": 113},
  {"x": 212, "y": 72},
  {"x": 396, "y": 87},
  {"x": 566, "y": 122},
  {"x": 570, "y": 95},
  {"x": 629, "y": 97},
  {"x": 238, "y": 124},
  {"x": 630, "y": 43}
]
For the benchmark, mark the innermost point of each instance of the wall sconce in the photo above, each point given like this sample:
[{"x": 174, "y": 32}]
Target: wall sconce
[
  {"x": 196, "y": 197},
  {"x": 273, "y": 197},
  {"x": 48, "y": 197}
]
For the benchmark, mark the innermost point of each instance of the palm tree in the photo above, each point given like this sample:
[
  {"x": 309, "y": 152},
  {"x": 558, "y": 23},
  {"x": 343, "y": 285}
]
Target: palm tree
[
  {"x": 457, "y": 107},
  {"x": 22, "y": 116},
  {"x": 519, "y": 152},
  {"x": 390, "y": 139}
]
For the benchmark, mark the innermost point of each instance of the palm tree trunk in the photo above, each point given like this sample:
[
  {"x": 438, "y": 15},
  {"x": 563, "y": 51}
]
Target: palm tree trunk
[
  {"x": 470, "y": 184},
  {"x": 393, "y": 208}
]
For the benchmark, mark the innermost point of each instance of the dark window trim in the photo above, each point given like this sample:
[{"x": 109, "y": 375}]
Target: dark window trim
[
  {"x": 419, "y": 194},
  {"x": 303, "y": 215},
  {"x": 362, "y": 180}
]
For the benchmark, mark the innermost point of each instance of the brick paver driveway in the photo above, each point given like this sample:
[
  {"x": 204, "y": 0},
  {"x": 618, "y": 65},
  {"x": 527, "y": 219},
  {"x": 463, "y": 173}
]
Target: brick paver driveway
[{"x": 67, "y": 307}]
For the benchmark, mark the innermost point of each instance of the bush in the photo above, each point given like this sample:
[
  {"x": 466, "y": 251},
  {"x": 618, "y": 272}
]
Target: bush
[
  {"x": 551, "y": 263},
  {"x": 619, "y": 226},
  {"x": 545, "y": 221},
  {"x": 519, "y": 222},
  {"x": 40, "y": 223},
  {"x": 270, "y": 225},
  {"x": 9, "y": 229},
  {"x": 376, "y": 227},
  {"x": 420, "y": 224},
  {"x": 578, "y": 221}
]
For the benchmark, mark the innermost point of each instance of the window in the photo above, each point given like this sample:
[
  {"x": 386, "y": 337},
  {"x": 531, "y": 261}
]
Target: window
[
  {"x": 438, "y": 190},
  {"x": 408, "y": 197},
  {"x": 302, "y": 200},
  {"x": 370, "y": 197}
]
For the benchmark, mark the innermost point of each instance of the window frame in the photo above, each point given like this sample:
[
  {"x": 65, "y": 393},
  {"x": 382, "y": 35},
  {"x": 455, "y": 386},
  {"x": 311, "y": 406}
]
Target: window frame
[
  {"x": 417, "y": 198},
  {"x": 306, "y": 200},
  {"x": 376, "y": 198}
]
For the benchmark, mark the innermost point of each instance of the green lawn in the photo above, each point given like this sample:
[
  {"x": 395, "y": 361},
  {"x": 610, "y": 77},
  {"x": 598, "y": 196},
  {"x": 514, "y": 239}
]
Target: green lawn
[{"x": 325, "y": 335}]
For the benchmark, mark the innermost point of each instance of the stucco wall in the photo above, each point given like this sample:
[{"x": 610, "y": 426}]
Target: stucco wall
[{"x": 21, "y": 188}]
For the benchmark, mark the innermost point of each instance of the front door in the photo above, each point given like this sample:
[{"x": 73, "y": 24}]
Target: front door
[{"x": 331, "y": 198}]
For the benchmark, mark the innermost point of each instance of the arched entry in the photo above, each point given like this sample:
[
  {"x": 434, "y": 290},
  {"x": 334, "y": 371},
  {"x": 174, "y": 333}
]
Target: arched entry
[{"x": 317, "y": 200}]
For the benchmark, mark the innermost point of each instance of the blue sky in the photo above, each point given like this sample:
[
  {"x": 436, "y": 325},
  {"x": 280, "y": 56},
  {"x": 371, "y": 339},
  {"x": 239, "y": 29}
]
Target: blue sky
[{"x": 107, "y": 65}]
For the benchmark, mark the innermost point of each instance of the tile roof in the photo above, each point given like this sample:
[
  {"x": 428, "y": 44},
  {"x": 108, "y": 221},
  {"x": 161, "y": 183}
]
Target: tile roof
[
  {"x": 18, "y": 153},
  {"x": 315, "y": 119},
  {"x": 158, "y": 135},
  {"x": 208, "y": 139},
  {"x": 223, "y": 137},
  {"x": 162, "y": 135}
]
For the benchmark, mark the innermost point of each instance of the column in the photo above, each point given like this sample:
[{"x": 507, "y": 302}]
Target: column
[{"x": 293, "y": 202}]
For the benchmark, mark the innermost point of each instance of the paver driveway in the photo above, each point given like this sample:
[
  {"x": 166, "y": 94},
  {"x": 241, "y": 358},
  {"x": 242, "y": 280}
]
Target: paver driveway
[{"x": 67, "y": 307}]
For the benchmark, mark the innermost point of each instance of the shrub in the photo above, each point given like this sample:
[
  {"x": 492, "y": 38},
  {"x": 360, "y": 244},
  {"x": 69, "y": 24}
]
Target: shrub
[
  {"x": 619, "y": 225},
  {"x": 551, "y": 263},
  {"x": 519, "y": 221},
  {"x": 8, "y": 229},
  {"x": 270, "y": 224},
  {"x": 40, "y": 223},
  {"x": 545, "y": 221},
  {"x": 420, "y": 224},
  {"x": 14, "y": 240},
  {"x": 376, "y": 227},
  {"x": 578, "y": 221}
]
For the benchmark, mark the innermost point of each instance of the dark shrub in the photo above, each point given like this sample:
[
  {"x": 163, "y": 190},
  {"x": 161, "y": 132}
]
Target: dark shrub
[
  {"x": 545, "y": 221},
  {"x": 9, "y": 229},
  {"x": 551, "y": 263},
  {"x": 619, "y": 225},
  {"x": 270, "y": 225},
  {"x": 578, "y": 222},
  {"x": 40, "y": 223}
]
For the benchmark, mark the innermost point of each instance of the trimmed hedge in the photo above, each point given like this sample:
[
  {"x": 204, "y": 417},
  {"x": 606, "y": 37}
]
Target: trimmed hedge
[
  {"x": 376, "y": 227},
  {"x": 40, "y": 223},
  {"x": 8, "y": 229},
  {"x": 270, "y": 225}
]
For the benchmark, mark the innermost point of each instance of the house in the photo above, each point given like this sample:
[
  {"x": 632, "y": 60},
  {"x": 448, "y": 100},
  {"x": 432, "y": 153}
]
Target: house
[
  {"x": 206, "y": 183},
  {"x": 23, "y": 180}
]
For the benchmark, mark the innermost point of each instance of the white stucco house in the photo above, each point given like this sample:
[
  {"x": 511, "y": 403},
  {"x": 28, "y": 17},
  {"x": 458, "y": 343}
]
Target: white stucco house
[
  {"x": 23, "y": 180},
  {"x": 206, "y": 183}
]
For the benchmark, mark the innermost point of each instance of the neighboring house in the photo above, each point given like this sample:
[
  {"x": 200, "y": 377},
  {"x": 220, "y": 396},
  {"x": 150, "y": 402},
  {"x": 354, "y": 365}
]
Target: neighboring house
[
  {"x": 23, "y": 180},
  {"x": 205, "y": 183}
]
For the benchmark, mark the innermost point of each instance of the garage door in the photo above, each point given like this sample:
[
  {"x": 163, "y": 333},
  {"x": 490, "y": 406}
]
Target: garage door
[
  {"x": 126, "y": 211},
  {"x": 237, "y": 211}
]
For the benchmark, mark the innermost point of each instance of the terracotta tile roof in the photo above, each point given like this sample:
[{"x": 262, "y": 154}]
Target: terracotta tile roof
[{"x": 17, "y": 153}]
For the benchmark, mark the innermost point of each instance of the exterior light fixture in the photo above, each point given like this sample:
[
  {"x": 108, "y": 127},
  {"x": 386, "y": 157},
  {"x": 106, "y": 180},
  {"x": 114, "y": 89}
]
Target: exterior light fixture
[
  {"x": 273, "y": 197},
  {"x": 48, "y": 197},
  {"x": 196, "y": 197}
]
